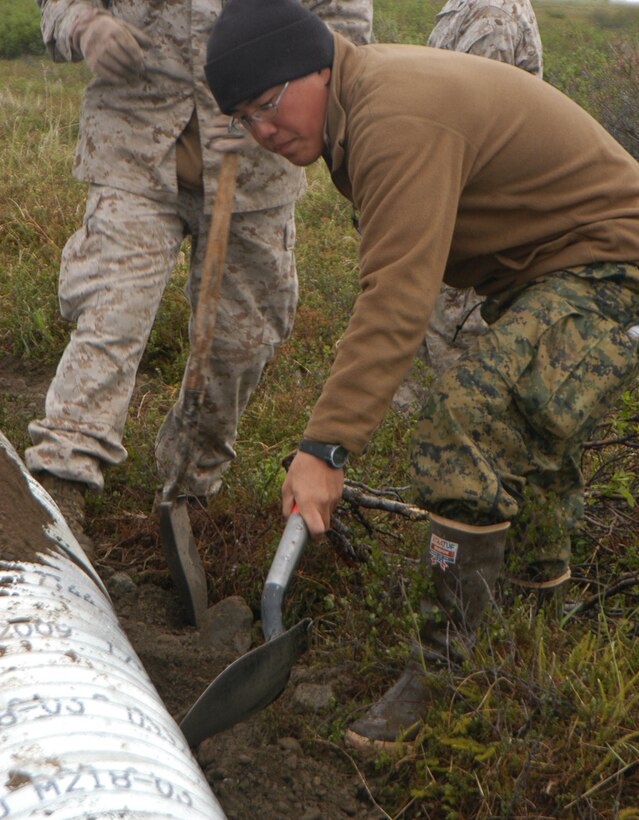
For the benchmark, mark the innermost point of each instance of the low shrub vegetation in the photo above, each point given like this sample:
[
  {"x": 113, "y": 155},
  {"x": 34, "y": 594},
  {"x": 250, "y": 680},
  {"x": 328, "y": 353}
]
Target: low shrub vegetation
[{"x": 20, "y": 29}]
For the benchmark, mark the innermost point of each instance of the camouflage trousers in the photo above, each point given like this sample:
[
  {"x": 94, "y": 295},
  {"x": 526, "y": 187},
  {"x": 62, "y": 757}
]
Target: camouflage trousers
[
  {"x": 454, "y": 326},
  {"x": 113, "y": 273},
  {"x": 506, "y": 423}
]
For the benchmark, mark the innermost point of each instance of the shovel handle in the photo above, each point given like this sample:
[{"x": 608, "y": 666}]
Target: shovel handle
[
  {"x": 286, "y": 558},
  {"x": 208, "y": 298},
  {"x": 210, "y": 288}
]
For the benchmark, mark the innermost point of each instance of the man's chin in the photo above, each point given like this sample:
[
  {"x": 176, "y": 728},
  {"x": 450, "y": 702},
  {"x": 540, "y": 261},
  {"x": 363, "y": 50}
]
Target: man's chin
[
  {"x": 299, "y": 155},
  {"x": 302, "y": 162},
  {"x": 303, "y": 158}
]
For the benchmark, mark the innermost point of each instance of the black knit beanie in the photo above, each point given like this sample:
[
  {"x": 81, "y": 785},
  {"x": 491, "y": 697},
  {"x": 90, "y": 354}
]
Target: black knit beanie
[{"x": 258, "y": 44}]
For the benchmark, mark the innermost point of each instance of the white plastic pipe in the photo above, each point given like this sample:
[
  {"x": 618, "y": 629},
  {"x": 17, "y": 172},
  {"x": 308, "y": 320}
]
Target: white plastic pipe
[{"x": 83, "y": 732}]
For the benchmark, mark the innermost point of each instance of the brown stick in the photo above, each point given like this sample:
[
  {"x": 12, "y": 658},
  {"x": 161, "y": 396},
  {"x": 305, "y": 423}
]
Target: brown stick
[{"x": 211, "y": 282}]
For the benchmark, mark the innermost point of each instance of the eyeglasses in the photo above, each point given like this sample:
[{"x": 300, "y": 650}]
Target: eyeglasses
[{"x": 266, "y": 112}]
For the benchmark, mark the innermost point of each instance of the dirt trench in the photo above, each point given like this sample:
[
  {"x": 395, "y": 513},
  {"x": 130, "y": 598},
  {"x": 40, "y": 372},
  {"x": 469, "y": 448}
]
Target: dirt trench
[{"x": 258, "y": 769}]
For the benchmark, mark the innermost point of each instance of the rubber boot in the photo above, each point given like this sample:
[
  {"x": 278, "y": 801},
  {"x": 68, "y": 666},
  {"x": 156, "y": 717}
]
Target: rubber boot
[
  {"x": 538, "y": 548},
  {"x": 465, "y": 561},
  {"x": 69, "y": 497},
  {"x": 548, "y": 581}
]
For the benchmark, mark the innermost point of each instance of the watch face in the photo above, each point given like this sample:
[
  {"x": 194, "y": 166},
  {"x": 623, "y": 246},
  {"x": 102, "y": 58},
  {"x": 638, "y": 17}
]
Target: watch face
[
  {"x": 339, "y": 456},
  {"x": 333, "y": 454}
]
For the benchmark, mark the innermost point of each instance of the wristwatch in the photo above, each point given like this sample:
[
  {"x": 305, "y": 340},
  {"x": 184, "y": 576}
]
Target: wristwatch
[{"x": 333, "y": 454}]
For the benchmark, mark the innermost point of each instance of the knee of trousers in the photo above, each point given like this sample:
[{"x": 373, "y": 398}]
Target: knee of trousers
[
  {"x": 454, "y": 459},
  {"x": 260, "y": 287}
]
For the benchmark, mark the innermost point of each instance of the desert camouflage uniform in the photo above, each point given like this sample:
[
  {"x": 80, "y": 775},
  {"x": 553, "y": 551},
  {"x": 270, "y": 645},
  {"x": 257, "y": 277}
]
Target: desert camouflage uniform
[
  {"x": 114, "y": 269},
  {"x": 504, "y": 30},
  {"x": 506, "y": 423}
]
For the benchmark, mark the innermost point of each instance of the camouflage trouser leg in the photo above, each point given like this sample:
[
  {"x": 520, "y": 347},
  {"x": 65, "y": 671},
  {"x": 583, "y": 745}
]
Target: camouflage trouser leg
[
  {"x": 507, "y": 422},
  {"x": 112, "y": 275},
  {"x": 256, "y": 312},
  {"x": 455, "y": 324}
]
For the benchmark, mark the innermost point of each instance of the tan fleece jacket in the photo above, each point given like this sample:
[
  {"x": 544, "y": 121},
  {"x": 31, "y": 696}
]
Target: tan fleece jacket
[{"x": 462, "y": 168}]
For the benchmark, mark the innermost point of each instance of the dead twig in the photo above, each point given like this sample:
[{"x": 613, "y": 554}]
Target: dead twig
[
  {"x": 363, "y": 496},
  {"x": 626, "y": 582},
  {"x": 630, "y": 440},
  {"x": 340, "y": 537}
]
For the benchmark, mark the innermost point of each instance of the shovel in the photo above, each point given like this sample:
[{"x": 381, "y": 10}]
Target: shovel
[
  {"x": 256, "y": 679},
  {"x": 176, "y": 534}
]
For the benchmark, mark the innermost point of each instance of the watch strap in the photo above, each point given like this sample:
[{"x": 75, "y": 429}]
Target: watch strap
[{"x": 332, "y": 454}]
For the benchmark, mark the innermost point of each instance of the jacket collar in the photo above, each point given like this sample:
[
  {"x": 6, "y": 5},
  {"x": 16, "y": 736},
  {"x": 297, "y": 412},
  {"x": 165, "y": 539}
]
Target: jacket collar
[{"x": 345, "y": 63}]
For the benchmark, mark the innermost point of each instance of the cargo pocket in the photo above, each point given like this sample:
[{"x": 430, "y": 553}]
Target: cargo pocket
[{"x": 581, "y": 364}]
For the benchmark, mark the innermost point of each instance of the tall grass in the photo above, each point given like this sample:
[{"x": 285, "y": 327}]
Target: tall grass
[{"x": 544, "y": 723}]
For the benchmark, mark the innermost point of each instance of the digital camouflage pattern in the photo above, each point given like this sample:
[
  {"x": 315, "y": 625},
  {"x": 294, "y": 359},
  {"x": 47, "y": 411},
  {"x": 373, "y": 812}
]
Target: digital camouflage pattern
[
  {"x": 508, "y": 420},
  {"x": 504, "y": 30},
  {"x": 115, "y": 267}
]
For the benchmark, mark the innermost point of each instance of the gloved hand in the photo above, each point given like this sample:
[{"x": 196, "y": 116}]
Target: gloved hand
[
  {"x": 226, "y": 141},
  {"x": 111, "y": 47}
]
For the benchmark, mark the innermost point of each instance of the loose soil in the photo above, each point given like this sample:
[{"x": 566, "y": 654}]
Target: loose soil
[
  {"x": 270, "y": 766},
  {"x": 255, "y": 769}
]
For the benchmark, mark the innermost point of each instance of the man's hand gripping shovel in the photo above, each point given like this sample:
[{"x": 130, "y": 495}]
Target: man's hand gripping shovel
[
  {"x": 259, "y": 677},
  {"x": 176, "y": 534}
]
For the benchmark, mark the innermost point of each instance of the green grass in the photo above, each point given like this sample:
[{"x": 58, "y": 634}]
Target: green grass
[
  {"x": 544, "y": 724},
  {"x": 404, "y": 21}
]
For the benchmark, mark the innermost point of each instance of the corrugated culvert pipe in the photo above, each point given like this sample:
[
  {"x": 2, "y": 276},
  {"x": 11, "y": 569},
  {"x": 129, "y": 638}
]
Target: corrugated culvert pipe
[{"x": 83, "y": 732}]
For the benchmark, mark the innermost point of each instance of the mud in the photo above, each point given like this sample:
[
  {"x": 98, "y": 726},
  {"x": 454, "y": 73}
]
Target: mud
[{"x": 22, "y": 518}]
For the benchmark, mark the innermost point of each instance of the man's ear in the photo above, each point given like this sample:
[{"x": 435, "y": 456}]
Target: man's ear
[{"x": 325, "y": 74}]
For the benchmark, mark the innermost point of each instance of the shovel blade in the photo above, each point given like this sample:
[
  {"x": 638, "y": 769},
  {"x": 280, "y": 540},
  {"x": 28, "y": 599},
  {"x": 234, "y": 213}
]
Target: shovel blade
[
  {"x": 249, "y": 684},
  {"x": 182, "y": 557}
]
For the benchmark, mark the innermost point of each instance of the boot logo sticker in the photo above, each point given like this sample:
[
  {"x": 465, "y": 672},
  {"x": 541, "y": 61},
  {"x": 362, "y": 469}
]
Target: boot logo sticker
[{"x": 442, "y": 552}]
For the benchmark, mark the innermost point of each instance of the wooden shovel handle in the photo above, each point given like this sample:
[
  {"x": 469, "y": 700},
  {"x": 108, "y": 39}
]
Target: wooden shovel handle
[{"x": 211, "y": 282}]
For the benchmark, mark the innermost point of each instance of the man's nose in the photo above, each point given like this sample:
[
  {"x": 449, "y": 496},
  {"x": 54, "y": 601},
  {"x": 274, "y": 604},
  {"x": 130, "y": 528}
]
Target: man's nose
[{"x": 263, "y": 129}]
